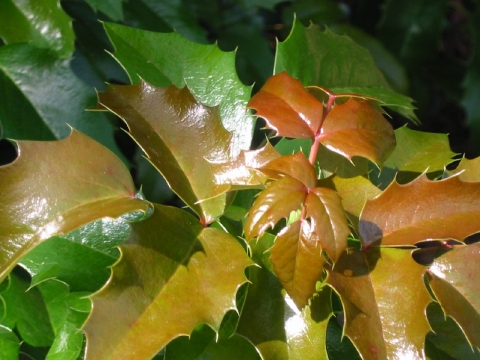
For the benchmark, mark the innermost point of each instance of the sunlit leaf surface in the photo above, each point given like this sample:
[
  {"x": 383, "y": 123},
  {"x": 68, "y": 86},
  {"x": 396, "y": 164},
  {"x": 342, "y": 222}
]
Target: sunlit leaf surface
[
  {"x": 454, "y": 279},
  {"x": 288, "y": 107},
  {"x": 382, "y": 291},
  {"x": 356, "y": 128},
  {"x": 180, "y": 136},
  {"x": 469, "y": 170},
  {"x": 163, "y": 59},
  {"x": 174, "y": 274},
  {"x": 272, "y": 321},
  {"x": 41, "y": 198},
  {"x": 421, "y": 210}
]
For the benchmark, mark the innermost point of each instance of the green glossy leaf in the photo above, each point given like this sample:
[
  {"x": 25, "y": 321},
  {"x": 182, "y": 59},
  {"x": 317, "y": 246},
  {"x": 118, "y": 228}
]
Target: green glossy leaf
[
  {"x": 423, "y": 209},
  {"x": 357, "y": 129},
  {"x": 447, "y": 335},
  {"x": 51, "y": 98},
  {"x": 42, "y": 23},
  {"x": 272, "y": 321},
  {"x": 162, "y": 121},
  {"x": 392, "y": 69},
  {"x": 332, "y": 61},
  {"x": 178, "y": 15},
  {"x": 381, "y": 291},
  {"x": 25, "y": 310},
  {"x": 9, "y": 344},
  {"x": 454, "y": 281},
  {"x": 416, "y": 152},
  {"x": 203, "y": 344},
  {"x": 209, "y": 73},
  {"x": 174, "y": 274},
  {"x": 111, "y": 8},
  {"x": 41, "y": 200},
  {"x": 79, "y": 258},
  {"x": 66, "y": 321}
]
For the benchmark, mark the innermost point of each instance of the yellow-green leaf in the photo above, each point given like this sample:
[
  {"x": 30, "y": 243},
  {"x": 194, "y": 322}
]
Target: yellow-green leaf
[
  {"x": 42, "y": 196},
  {"x": 174, "y": 274}
]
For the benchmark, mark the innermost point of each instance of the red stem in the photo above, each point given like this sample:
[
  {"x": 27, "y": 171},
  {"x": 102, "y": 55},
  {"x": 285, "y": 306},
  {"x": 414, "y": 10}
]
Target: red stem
[{"x": 316, "y": 140}]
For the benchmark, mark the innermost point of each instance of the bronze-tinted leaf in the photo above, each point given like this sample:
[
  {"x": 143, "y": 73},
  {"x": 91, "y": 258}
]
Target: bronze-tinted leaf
[
  {"x": 328, "y": 220},
  {"x": 242, "y": 172},
  {"x": 179, "y": 136},
  {"x": 385, "y": 300},
  {"x": 295, "y": 166},
  {"x": 455, "y": 281},
  {"x": 356, "y": 128},
  {"x": 354, "y": 193},
  {"x": 423, "y": 209},
  {"x": 298, "y": 261},
  {"x": 174, "y": 274},
  {"x": 42, "y": 196},
  {"x": 288, "y": 107},
  {"x": 277, "y": 201}
]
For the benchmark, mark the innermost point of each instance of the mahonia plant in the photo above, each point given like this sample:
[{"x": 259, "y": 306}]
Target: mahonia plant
[{"x": 347, "y": 238}]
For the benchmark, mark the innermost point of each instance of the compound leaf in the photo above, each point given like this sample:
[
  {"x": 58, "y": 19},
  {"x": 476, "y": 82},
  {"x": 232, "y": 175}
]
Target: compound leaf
[
  {"x": 174, "y": 274},
  {"x": 180, "y": 136},
  {"x": 454, "y": 279},
  {"x": 41, "y": 199},
  {"x": 423, "y": 209},
  {"x": 381, "y": 291}
]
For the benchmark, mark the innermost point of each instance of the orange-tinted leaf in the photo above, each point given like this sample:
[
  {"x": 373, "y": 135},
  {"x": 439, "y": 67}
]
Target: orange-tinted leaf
[
  {"x": 385, "y": 300},
  {"x": 328, "y": 220},
  {"x": 242, "y": 173},
  {"x": 43, "y": 196},
  {"x": 179, "y": 136},
  {"x": 469, "y": 170},
  {"x": 356, "y": 128},
  {"x": 354, "y": 192},
  {"x": 288, "y": 107},
  {"x": 423, "y": 209},
  {"x": 298, "y": 261},
  {"x": 295, "y": 166},
  {"x": 455, "y": 281},
  {"x": 174, "y": 274},
  {"x": 277, "y": 201}
]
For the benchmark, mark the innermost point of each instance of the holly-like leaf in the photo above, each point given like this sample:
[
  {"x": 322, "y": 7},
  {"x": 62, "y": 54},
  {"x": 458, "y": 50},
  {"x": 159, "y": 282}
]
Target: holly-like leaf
[
  {"x": 334, "y": 61},
  {"x": 44, "y": 97},
  {"x": 296, "y": 166},
  {"x": 454, "y": 280},
  {"x": 298, "y": 261},
  {"x": 354, "y": 192},
  {"x": 356, "y": 128},
  {"x": 25, "y": 310},
  {"x": 40, "y": 199},
  {"x": 468, "y": 170},
  {"x": 272, "y": 321},
  {"x": 42, "y": 23},
  {"x": 242, "y": 172},
  {"x": 381, "y": 291},
  {"x": 180, "y": 136},
  {"x": 208, "y": 72},
  {"x": 174, "y": 274},
  {"x": 277, "y": 201},
  {"x": 416, "y": 152},
  {"x": 288, "y": 107},
  {"x": 423, "y": 209}
]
